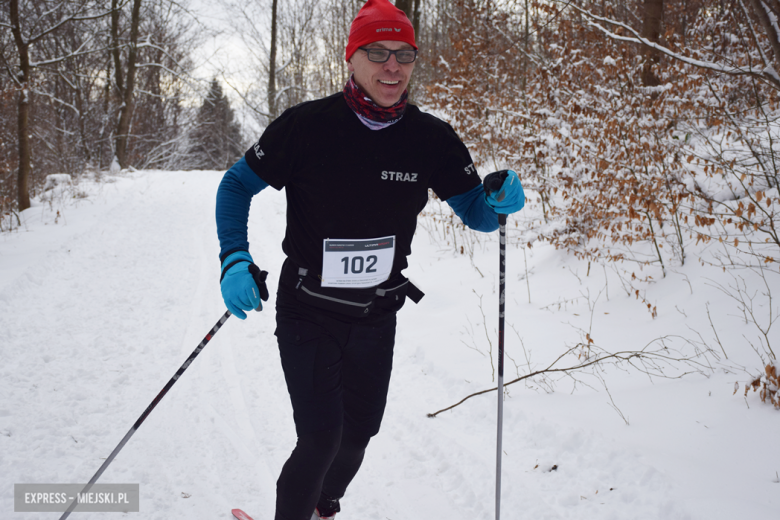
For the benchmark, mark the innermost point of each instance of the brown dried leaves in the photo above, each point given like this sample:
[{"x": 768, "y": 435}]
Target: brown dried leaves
[{"x": 766, "y": 385}]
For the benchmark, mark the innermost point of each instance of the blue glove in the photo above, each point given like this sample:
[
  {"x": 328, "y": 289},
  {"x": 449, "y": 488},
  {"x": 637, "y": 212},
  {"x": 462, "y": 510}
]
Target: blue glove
[
  {"x": 243, "y": 284},
  {"x": 503, "y": 192}
]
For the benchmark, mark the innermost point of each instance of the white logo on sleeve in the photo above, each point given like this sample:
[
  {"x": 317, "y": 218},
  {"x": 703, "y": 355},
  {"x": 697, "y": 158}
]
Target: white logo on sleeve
[
  {"x": 258, "y": 152},
  {"x": 470, "y": 169}
]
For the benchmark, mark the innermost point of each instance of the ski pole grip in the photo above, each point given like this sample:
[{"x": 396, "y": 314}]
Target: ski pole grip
[
  {"x": 259, "y": 277},
  {"x": 494, "y": 181}
]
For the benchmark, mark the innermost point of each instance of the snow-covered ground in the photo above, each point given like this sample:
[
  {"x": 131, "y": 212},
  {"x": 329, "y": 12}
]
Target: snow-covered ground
[{"x": 100, "y": 305}]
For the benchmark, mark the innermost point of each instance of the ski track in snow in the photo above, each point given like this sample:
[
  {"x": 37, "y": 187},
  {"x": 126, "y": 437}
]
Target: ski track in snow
[{"x": 107, "y": 310}]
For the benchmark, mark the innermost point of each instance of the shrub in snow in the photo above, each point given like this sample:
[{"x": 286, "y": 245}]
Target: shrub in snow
[
  {"x": 621, "y": 169},
  {"x": 114, "y": 169},
  {"x": 766, "y": 385},
  {"x": 56, "y": 186},
  {"x": 57, "y": 180}
]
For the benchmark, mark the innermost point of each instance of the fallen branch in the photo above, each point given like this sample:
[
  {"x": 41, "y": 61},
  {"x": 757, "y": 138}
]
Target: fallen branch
[{"x": 648, "y": 361}]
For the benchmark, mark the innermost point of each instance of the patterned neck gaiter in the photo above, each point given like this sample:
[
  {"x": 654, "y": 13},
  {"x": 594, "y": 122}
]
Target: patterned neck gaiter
[{"x": 369, "y": 113}]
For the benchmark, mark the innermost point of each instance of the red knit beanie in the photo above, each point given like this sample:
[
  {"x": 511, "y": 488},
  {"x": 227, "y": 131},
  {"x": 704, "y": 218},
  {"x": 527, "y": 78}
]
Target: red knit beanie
[{"x": 376, "y": 21}]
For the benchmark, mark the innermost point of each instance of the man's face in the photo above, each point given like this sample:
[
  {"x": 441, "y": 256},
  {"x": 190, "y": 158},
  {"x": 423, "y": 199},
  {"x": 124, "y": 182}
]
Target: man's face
[{"x": 383, "y": 82}]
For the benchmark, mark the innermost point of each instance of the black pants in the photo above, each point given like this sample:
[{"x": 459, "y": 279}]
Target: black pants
[{"x": 337, "y": 374}]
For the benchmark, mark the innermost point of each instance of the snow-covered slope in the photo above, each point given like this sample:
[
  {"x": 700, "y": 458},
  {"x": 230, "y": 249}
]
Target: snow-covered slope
[{"x": 100, "y": 307}]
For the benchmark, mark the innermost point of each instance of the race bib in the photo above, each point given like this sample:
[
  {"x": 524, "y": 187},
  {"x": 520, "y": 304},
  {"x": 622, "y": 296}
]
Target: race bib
[{"x": 357, "y": 263}]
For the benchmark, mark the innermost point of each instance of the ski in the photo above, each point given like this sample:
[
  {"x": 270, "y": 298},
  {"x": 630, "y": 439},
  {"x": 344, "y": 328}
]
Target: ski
[{"x": 240, "y": 514}]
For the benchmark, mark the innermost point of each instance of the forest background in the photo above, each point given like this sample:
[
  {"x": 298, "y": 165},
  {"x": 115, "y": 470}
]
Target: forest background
[{"x": 640, "y": 128}]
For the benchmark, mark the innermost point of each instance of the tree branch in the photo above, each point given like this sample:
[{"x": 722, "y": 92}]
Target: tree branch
[
  {"x": 644, "y": 356},
  {"x": 768, "y": 75},
  {"x": 68, "y": 56},
  {"x": 73, "y": 18}
]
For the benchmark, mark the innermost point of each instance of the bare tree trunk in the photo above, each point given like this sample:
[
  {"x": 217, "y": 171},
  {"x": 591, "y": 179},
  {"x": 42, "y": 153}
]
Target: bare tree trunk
[
  {"x": 23, "y": 111},
  {"x": 416, "y": 18},
  {"x": 116, "y": 52},
  {"x": 272, "y": 65},
  {"x": 126, "y": 111},
  {"x": 412, "y": 10},
  {"x": 766, "y": 10},
  {"x": 651, "y": 29},
  {"x": 405, "y": 6},
  {"x": 526, "y": 35}
]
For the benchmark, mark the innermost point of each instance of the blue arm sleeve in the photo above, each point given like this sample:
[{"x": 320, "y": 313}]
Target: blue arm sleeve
[
  {"x": 234, "y": 196},
  {"x": 474, "y": 211}
]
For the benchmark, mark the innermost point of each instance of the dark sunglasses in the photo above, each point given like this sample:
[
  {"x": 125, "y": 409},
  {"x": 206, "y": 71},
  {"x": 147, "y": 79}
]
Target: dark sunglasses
[{"x": 382, "y": 55}]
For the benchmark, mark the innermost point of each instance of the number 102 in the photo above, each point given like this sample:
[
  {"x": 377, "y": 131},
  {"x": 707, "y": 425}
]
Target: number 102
[{"x": 357, "y": 264}]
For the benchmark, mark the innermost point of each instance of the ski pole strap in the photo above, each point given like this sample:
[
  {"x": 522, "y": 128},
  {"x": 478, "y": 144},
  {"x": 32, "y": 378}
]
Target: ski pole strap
[
  {"x": 494, "y": 181},
  {"x": 231, "y": 264}
]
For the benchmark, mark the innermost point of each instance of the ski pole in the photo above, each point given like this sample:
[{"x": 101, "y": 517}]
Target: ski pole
[
  {"x": 501, "y": 301},
  {"x": 148, "y": 410},
  {"x": 493, "y": 183}
]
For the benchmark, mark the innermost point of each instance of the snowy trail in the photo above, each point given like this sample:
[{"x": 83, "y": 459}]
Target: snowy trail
[
  {"x": 104, "y": 311},
  {"x": 100, "y": 325}
]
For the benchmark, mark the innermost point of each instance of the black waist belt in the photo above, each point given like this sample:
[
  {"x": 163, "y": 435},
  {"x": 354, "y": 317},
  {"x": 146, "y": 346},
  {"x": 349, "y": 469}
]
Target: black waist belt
[{"x": 388, "y": 296}]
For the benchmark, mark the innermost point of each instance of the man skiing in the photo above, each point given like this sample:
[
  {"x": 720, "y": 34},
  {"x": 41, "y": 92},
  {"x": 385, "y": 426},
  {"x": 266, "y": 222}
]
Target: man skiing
[{"x": 356, "y": 167}]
